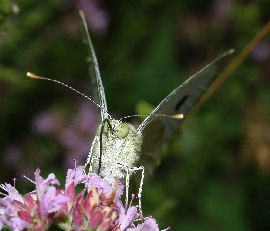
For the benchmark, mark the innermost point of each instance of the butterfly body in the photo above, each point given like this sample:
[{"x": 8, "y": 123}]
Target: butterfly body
[{"x": 120, "y": 150}]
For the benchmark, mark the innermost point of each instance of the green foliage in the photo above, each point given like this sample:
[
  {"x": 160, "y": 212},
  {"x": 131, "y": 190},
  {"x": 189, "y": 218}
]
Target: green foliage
[{"x": 5, "y": 9}]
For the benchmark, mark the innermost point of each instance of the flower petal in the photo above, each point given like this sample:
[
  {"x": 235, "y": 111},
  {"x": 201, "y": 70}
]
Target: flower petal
[
  {"x": 95, "y": 220},
  {"x": 77, "y": 215},
  {"x": 51, "y": 202},
  {"x": 16, "y": 223},
  {"x": 42, "y": 185},
  {"x": 77, "y": 175},
  {"x": 103, "y": 186},
  {"x": 126, "y": 220},
  {"x": 30, "y": 202},
  {"x": 13, "y": 194},
  {"x": 3, "y": 206},
  {"x": 25, "y": 216},
  {"x": 148, "y": 225}
]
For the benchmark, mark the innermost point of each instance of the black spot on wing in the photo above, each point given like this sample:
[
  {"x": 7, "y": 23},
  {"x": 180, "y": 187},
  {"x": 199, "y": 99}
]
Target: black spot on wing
[{"x": 181, "y": 102}]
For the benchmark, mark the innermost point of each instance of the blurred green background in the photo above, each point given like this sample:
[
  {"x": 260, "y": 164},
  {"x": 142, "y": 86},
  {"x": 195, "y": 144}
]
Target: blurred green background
[{"x": 215, "y": 173}]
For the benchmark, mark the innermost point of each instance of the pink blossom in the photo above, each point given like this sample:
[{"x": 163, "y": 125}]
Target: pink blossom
[
  {"x": 11, "y": 203},
  {"x": 126, "y": 218},
  {"x": 15, "y": 223},
  {"x": 95, "y": 207},
  {"x": 13, "y": 194},
  {"x": 149, "y": 225},
  {"x": 104, "y": 186},
  {"x": 51, "y": 202},
  {"x": 76, "y": 175},
  {"x": 3, "y": 205},
  {"x": 42, "y": 185}
]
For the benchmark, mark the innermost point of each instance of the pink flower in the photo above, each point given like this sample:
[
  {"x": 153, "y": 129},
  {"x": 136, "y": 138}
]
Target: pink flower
[
  {"x": 76, "y": 175},
  {"x": 15, "y": 223},
  {"x": 104, "y": 186},
  {"x": 149, "y": 225},
  {"x": 13, "y": 194},
  {"x": 96, "y": 207},
  {"x": 126, "y": 218},
  {"x": 51, "y": 202},
  {"x": 41, "y": 184}
]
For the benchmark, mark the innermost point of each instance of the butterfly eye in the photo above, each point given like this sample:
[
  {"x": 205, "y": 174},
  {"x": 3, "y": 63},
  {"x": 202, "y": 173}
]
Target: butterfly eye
[
  {"x": 122, "y": 131},
  {"x": 106, "y": 127}
]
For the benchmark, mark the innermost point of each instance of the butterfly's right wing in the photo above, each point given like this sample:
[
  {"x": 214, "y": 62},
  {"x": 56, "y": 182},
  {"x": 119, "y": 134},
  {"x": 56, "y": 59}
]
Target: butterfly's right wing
[
  {"x": 151, "y": 151},
  {"x": 156, "y": 128},
  {"x": 183, "y": 99},
  {"x": 94, "y": 70},
  {"x": 151, "y": 147}
]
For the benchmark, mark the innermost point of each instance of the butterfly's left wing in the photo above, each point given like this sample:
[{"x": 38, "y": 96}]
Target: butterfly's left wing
[
  {"x": 95, "y": 70},
  {"x": 183, "y": 98}
]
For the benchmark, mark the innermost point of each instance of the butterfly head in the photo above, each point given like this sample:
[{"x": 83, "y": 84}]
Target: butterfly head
[{"x": 119, "y": 129}]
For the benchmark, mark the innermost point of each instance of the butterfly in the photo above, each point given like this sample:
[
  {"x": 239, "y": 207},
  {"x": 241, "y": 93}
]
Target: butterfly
[{"x": 120, "y": 149}]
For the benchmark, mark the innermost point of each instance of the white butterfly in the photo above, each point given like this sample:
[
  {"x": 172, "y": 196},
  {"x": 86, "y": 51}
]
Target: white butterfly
[{"x": 119, "y": 149}]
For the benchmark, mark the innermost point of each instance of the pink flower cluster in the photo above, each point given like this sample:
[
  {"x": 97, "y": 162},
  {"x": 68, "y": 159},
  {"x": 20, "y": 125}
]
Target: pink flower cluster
[{"x": 96, "y": 207}]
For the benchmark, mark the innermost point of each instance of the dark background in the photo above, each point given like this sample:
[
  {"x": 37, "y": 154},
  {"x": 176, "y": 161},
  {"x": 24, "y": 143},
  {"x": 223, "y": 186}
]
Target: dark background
[{"x": 215, "y": 172}]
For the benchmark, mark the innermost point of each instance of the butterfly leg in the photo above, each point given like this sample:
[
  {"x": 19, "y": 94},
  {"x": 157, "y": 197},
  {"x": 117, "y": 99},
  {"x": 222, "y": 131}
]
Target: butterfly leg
[
  {"x": 90, "y": 158},
  {"x": 135, "y": 169},
  {"x": 127, "y": 185},
  {"x": 129, "y": 172},
  {"x": 125, "y": 168}
]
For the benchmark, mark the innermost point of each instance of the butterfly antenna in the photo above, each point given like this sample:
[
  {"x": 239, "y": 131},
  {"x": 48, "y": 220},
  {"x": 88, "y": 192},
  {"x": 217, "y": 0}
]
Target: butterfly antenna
[
  {"x": 173, "y": 116},
  {"x": 34, "y": 76}
]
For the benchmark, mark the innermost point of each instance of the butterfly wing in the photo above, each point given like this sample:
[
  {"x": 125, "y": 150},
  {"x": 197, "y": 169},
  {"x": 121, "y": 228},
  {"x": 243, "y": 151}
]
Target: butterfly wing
[
  {"x": 151, "y": 146},
  {"x": 94, "y": 70},
  {"x": 183, "y": 98},
  {"x": 150, "y": 152}
]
